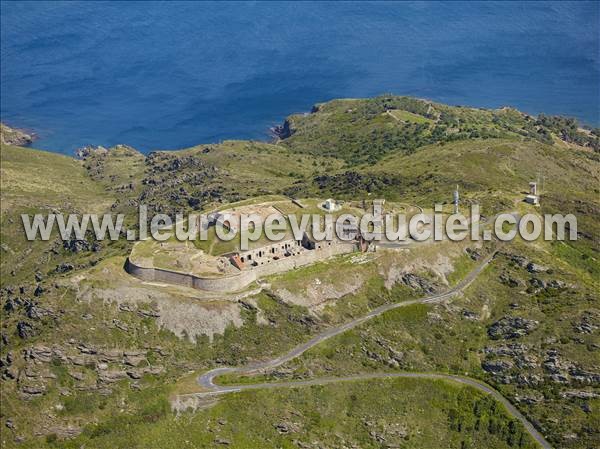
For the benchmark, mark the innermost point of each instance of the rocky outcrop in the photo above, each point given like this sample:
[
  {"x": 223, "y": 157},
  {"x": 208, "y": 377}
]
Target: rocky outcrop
[
  {"x": 283, "y": 131},
  {"x": 418, "y": 283},
  {"x": 511, "y": 327},
  {"x": 90, "y": 150},
  {"x": 535, "y": 268},
  {"x": 507, "y": 279},
  {"x": 12, "y": 136},
  {"x": 496, "y": 366},
  {"x": 76, "y": 246},
  {"x": 588, "y": 323}
]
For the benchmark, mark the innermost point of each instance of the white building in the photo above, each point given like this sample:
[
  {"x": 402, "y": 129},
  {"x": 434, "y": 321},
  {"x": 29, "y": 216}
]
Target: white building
[
  {"x": 331, "y": 205},
  {"x": 532, "y": 199}
]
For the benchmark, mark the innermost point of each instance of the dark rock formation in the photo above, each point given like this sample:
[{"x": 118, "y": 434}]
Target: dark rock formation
[
  {"x": 283, "y": 131},
  {"x": 417, "y": 283},
  {"x": 511, "y": 327},
  {"x": 25, "y": 330}
]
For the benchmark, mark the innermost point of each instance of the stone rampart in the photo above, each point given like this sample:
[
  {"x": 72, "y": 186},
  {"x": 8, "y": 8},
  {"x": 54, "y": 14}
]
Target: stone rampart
[{"x": 236, "y": 282}]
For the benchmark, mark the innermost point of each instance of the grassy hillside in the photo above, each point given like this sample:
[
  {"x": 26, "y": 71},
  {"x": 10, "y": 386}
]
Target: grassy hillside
[
  {"x": 88, "y": 350},
  {"x": 33, "y": 182},
  {"x": 548, "y": 370},
  {"x": 409, "y": 414},
  {"x": 366, "y": 130}
]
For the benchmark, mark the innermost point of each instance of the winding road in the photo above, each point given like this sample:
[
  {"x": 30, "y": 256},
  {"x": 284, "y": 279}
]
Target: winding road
[{"x": 206, "y": 380}]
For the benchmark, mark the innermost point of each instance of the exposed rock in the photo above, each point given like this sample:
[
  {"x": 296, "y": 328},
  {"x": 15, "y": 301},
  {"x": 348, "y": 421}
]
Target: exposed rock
[
  {"x": 512, "y": 349},
  {"x": 76, "y": 245},
  {"x": 417, "y": 283},
  {"x": 287, "y": 427},
  {"x": 535, "y": 268},
  {"x": 529, "y": 399},
  {"x": 580, "y": 394},
  {"x": 110, "y": 355},
  {"x": 528, "y": 380},
  {"x": 64, "y": 267},
  {"x": 518, "y": 260},
  {"x": 134, "y": 358},
  {"x": 25, "y": 330},
  {"x": 282, "y": 428},
  {"x": 282, "y": 372},
  {"x": 39, "y": 353},
  {"x": 149, "y": 313},
  {"x": 77, "y": 360},
  {"x": 134, "y": 374},
  {"x": 13, "y": 136},
  {"x": 76, "y": 375},
  {"x": 90, "y": 150},
  {"x": 511, "y": 327},
  {"x": 556, "y": 367},
  {"x": 84, "y": 349},
  {"x": 11, "y": 305},
  {"x": 433, "y": 317},
  {"x": 35, "y": 312},
  {"x": 33, "y": 389},
  {"x": 10, "y": 373},
  {"x": 62, "y": 432},
  {"x": 537, "y": 283},
  {"x": 111, "y": 376},
  {"x": 126, "y": 307},
  {"x": 467, "y": 314},
  {"x": 510, "y": 281},
  {"x": 283, "y": 131},
  {"x": 120, "y": 325},
  {"x": 585, "y": 377},
  {"x": 496, "y": 366},
  {"x": 473, "y": 253},
  {"x": 588, "y": 323},
  {"x": 154, "y": 370},
  {"x": 526, "y": 361},
  {"x": 556, "y": 284}
]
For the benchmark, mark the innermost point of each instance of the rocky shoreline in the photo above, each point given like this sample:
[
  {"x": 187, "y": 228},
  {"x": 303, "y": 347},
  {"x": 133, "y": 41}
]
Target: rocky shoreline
[{"x": 13, "y": 136}]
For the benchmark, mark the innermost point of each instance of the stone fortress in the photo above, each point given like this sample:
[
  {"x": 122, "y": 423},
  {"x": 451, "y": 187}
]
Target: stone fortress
[
  {"x": 234, "y": 270},
  {"x": 221, "y": 267}
]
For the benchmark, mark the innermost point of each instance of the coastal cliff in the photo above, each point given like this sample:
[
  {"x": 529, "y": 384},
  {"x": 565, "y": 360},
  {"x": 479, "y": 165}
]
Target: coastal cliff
[{"x": 12, "y": 136}]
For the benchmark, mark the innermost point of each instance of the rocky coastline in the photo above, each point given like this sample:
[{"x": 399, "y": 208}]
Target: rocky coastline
[{"x": 17, "y": 137}]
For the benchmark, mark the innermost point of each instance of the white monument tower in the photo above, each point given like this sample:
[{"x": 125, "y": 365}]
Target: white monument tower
[{"x": 455, "y": 200}]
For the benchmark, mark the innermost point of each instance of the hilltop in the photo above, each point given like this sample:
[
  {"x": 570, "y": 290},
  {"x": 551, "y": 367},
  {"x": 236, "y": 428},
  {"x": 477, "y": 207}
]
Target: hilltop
[{"x": 92, "y": 356}]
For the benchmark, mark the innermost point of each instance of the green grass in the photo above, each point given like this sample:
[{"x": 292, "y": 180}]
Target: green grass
[
  {"x": 442, "y": 339},
  {"x": 407, "y": 116},
  {"x": 347, "y": 149},
  {"x": 410, "y": 413}
]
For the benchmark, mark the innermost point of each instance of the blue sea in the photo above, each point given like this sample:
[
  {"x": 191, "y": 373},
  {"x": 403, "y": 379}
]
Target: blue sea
[{"x": 175, "y": 74}]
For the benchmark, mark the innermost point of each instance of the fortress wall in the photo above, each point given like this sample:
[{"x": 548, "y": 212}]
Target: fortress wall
[
  {"x": 223, "y": 284},
  {"x": 145, "y": 274},
  {"x": 305, "y": 258},
  {"x": 244, "y": 278}
]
